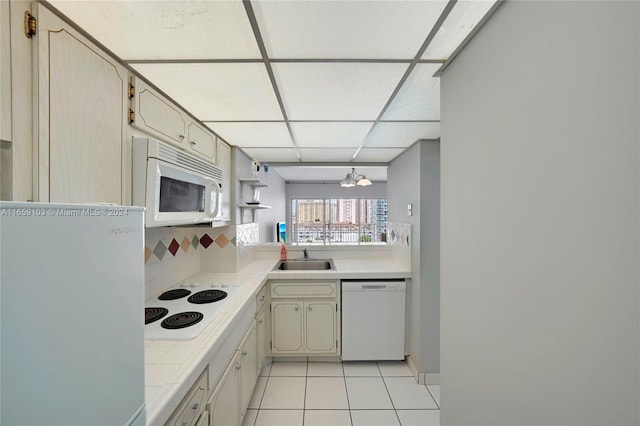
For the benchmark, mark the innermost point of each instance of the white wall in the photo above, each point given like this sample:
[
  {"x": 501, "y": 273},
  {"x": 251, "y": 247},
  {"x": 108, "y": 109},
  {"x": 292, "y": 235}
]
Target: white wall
[
  {"x": 273, "y": 196},
  {"x": 540, "y": 233},
  {"x": 414, "y": 178}
]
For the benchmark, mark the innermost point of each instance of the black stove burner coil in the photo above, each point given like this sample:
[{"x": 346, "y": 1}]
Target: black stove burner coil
[
  {"x": 174, "y": 294},
  {"x": 182, "y": 320},
  {"x": 154, "y": 314},
  {"x": 207, "y": 296}
]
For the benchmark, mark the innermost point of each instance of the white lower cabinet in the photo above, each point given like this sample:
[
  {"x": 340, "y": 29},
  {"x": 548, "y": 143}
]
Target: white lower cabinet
[
  {"x": 224, "y": 404},
  {"x": 304, "y": 318},
  {"x": 230, "y": 398},
  {"x": 191, "y": 411},
  {"x": 262, "y": 329}
]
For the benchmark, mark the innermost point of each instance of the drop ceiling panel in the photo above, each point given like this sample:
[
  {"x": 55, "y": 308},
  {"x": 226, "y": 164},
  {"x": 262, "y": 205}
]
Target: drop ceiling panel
[
  {"x": 459, "y": 23},
  {"x": 166, "y": 29},
  {"x": 327, "y": 154},
  {"x": 378, "y": 154},
  {"x": 346, "y": 29},
  {"x": 217, "y": 92},
  {"x": 272, "y": 154},
  {"x": 330, "y": 134},
  {"x": 336, "y": 91},
  {"x": 328, "y": 173},
  {"x": 419, "y": 97},
  {"x": 253, "y": 134},
  {"x": 401, "y": 135}
]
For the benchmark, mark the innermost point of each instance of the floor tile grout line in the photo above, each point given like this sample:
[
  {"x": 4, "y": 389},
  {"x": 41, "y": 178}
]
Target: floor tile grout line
[
  {"x": 346, "y": 389},
  {"x": 395, "y": 411},
  {"x": 306, "y": 382},
  {"x": 432, "y": 397}
]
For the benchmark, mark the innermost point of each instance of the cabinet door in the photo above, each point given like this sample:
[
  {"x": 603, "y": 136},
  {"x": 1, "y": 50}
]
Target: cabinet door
[
  {"x": 82, "y": 106},
  {"x": 261, "y": 324},
  {"x": 320, "y": 326},
  {"x": 224, "y": 162},
  {"x": 224, "y": 409},
  {"x": 5, "y": 77},
  {"x": 202, "y": 142},
  {"x": 286, "y": 327},
  {"x": 249, "y": 368},
  {"x": 155, "y": 115}
]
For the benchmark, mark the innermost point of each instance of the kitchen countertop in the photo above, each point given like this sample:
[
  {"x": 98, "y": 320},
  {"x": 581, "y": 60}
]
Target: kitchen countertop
[{"x": 172, "y": 366}]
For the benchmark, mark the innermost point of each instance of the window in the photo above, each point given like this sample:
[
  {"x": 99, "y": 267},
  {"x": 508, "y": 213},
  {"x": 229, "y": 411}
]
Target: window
[{"x": 339, "y": 221}]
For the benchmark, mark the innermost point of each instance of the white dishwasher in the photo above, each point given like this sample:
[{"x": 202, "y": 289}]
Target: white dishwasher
[{"x": 373, "y": 320}]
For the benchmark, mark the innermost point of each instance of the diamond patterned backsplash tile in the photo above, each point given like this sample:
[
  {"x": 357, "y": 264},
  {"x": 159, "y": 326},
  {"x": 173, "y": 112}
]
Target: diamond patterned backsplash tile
[
  {"x": 206, "y": 240},
  {"x": 173, "y": 247},
  {"x": 399, "y": 233},
  {"x": 160, "y": 250},
  {"x": 185, "y": 244},
  {"x": 195, "y": 239},
  {"x": 222, "y": 240},
  {"x": 147, "y": 254}
]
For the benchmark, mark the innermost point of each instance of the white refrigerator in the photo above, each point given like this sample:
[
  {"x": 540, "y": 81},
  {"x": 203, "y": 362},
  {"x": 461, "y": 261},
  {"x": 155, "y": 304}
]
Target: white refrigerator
[{"x": 71, "y": 314}]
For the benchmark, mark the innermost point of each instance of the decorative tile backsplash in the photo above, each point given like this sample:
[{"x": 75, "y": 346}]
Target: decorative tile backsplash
[
  {"x": 173, "y": 254},
  {"x": 399, "y": 238},
  {"x": 192, "y": 241},
  {"x": 399, "y": 234},
  {"x": 248, "y": 234}
]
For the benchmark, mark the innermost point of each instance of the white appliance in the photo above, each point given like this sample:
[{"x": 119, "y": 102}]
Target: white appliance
[
  {"x": 176, "y": 187},
  {"x": 72, "y": 292},
  {"x": 373, "y": 320},
  {"x": 184, "y": 311}
]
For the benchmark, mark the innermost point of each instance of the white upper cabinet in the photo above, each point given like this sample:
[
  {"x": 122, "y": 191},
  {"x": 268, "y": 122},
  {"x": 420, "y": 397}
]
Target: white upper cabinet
[
  {"x": 81, "y": 119},
  {"x": 158, "y": 116},
  {"x": 153, "y": 114},
  {"x": 202, "y": 141}
]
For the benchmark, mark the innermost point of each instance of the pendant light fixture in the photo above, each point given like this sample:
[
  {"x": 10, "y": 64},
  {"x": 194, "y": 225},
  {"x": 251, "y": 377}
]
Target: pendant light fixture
[{"x": 354, "y": 178}]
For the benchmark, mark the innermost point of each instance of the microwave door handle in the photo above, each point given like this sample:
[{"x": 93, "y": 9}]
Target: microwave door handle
[{"x": 217, "y": 196}]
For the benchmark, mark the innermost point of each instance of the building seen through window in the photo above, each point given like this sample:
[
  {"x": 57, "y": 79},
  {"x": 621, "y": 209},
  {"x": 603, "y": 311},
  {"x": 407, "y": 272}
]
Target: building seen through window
[{"x": 339, "y": 221}]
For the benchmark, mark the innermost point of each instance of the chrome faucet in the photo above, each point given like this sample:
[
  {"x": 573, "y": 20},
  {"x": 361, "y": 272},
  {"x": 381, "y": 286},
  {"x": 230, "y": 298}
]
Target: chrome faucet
[{"x": 305, "y": 253}]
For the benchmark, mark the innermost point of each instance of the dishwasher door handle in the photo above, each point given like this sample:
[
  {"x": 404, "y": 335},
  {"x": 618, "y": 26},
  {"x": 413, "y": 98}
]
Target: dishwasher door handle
[{"x": 374, "y": 286}]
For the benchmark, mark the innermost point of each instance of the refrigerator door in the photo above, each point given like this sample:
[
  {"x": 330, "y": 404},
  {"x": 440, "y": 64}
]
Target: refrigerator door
[{"x": 71, "y": 311}]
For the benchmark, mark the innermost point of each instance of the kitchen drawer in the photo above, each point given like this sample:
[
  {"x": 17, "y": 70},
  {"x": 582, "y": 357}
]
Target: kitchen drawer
[
  {"x": 261, "y": 297},
  {"x": 306, "y": 290},
  {"x": 189, "y": 410}
]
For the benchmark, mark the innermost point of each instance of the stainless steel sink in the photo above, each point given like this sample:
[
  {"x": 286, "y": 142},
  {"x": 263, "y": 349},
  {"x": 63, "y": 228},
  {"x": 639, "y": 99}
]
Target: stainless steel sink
[{"x": 305, "y": 265}]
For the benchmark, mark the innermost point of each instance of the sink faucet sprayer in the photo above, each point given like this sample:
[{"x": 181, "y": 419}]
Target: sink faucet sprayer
[{"x": 305, "y": 253}]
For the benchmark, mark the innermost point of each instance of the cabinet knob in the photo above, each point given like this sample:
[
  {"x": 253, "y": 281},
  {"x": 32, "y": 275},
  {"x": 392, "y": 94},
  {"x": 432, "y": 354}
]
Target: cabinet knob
[
  {"x": 309, "y": 308},
  {"x": 259, "y": 321},
  {"x": 297, "y": 309},
  {"x": 244, "y": 353},
  {"x": 195, "y": 406},
  {"x": 238, "y": 366},
  {"x": 192, "y": 143},
  {"x": 181, "y": 137}
]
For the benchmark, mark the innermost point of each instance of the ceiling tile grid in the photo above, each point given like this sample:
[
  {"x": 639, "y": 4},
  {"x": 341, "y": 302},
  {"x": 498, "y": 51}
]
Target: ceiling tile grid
[
  {"x": 217, "y": 92},
  {"x": 401, "y": 135},
  {"x": 153, "y": 30},
  {"x": 336, "y": 91},
  {"x": 297, "y": 80},
  {"x": 330, "y": 134},
  {"x": 254, "y": 134},
  {"x": 346, "y": 29}
]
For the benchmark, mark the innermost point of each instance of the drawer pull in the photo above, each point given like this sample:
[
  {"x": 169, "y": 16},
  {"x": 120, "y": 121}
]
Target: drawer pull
[{"x": 195, "y": 406}]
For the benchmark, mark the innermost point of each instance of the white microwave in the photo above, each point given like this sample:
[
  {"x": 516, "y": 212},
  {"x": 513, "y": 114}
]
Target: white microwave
[{"x": 175, "y": 187}]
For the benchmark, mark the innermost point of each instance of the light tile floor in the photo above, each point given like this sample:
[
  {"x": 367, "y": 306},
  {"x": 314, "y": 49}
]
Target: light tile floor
[{"x": 307, "y": 393}]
